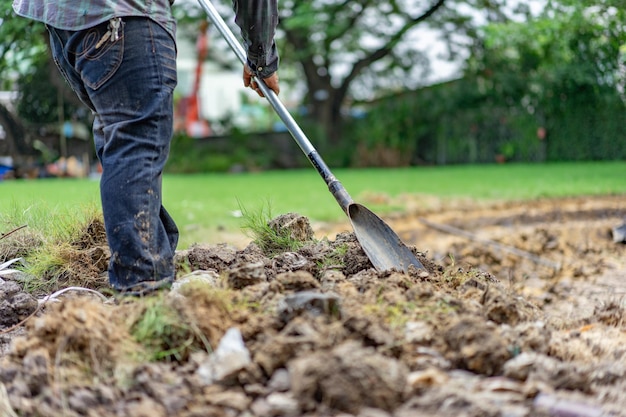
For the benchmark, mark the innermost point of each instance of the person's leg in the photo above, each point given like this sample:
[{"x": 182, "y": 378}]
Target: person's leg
[{"x": 129, "y": 84}]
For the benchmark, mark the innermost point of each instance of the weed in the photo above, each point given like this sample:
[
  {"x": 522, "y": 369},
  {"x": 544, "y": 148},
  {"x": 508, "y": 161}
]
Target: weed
[
  {"x": 59, "y": 243},
  {"x": 335, "y": 259},
  {"x": 272, "y": 241},
  {"x": 456, "y": 276},
  {"x": 19, "y": 235},
  {"x": 398, "y": 314},
  {"x": 164, "y": 332}
]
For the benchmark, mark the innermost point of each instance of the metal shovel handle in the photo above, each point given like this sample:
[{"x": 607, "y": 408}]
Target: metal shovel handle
[
  {"x": 382, "y": 246},
  {"x": 335, "y": 187}
]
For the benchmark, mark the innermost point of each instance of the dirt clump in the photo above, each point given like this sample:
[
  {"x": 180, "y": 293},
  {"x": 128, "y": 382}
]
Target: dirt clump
[
  {"x": 15, "y": 304},
  {"x": 347, "y": 378},
  {"x": 315, "y": 330}
]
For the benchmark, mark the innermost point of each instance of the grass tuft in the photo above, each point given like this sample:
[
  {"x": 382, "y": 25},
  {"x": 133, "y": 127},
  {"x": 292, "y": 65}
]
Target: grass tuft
[
  {"x": 335, "y": 259},
  {"x": 162, "y": 332},
  {"x": 61, "y": 247},
  {"x": 271, "y": 240},
  {"x": 170, "y": 327}
]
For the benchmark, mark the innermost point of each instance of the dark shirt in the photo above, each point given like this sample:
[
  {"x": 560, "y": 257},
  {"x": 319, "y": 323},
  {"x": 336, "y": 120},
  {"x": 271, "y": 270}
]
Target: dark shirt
[{"x": 258, "y": 20}]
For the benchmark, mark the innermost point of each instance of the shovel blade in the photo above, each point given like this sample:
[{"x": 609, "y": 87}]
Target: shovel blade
[{"x": 380, "y": 243}]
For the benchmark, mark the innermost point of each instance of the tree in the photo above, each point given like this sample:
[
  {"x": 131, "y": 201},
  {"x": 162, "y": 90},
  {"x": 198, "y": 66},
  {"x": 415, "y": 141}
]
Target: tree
[
  {"x": 21, "y": 41},
  {"x": 345, "y": 50},
  {"x": 354, "y": 50},
  {"x": 27, "y": 67},
  {"x": 14, "y": 49},
  {"x": 566, "y": 68},
  {"x": 325, "y": 36}
]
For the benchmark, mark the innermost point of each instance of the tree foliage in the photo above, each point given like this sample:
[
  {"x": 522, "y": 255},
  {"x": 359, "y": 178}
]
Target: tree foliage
[
  {"x": 566, "y": 69},
  {"x": 21, "y": 43},
  {"x": 571, "y": 46},
  {"x": 547, "y": 88},
  {"x": 344, "y": 52},
  {"x": 356, "y": 50}
]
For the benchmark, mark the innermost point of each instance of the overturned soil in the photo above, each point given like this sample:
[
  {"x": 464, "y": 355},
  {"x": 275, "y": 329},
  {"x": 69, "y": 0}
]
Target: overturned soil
[{"x": 518, "y": 312}]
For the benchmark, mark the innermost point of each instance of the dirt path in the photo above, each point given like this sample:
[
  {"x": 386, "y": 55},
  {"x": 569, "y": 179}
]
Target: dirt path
[
  {"x": 520, "y": 313},
  {"x": 569, "y": 262}
]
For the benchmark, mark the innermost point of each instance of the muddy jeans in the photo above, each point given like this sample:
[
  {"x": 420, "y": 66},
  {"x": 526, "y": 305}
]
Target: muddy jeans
[{"x": 128, "y": 82}]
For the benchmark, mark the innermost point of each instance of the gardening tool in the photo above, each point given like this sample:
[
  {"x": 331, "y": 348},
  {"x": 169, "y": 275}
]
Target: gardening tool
[{"x": 381, "y": 244}]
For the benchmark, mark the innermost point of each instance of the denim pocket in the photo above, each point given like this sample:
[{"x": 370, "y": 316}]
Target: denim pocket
[
  {"x": 60, "y": 59},
  {"x": 168, "y": 61},
  {"x": 98, "y": 61},
  {"x": 165, "y": 50},
  {"x": 56, "y": 46}
]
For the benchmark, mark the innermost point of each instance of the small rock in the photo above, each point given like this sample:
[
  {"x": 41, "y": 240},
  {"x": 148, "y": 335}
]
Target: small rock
[
  {"x": 246, "y": 275},
  {"x": 15, "y": 304},
  {"x": 82, "y": 400},
  {"x": 283, "y": 404},
  {"x": 260, "y": 407},
  {"x": 297, "y": 226},
  {"x": 427, "y": 357},
  {"x": 311, "y": 302},
  {"x": 500, "y": 384},
  {"x": 280, "y": 381},
  {"x": 256, "y": 390},
  {"x": 418, "y": 332},
  {"x": 619, "y": 234},
  {"x": 521, "y": 366},
  {"x": 427, "y": 378},
  {"x": 209, "y": 278},
  {"x": 230, "y": 399},
  {"x": 422, "y": 273},
  {"x": 289, "y": 261},
  {"x": 557, "y": 407}
]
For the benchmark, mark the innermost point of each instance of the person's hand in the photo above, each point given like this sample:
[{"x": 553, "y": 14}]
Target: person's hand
[{"x": 249, "y": 81}]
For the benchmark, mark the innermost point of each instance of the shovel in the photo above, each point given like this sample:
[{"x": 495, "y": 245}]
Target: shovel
[{"x": 382, "y": 246}]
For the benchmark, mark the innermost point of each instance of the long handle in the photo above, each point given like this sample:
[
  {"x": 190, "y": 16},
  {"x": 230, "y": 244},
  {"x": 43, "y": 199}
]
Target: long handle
[{"x": 335, "y": 187}]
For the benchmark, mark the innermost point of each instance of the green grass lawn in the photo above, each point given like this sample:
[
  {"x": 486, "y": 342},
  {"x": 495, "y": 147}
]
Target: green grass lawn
[{"x": 205, "y": 203}]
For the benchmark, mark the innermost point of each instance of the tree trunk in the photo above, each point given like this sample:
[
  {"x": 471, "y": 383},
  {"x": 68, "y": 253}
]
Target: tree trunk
[
  {"x": 14, "y": 141},
  {"x": 327, "y": 112}
]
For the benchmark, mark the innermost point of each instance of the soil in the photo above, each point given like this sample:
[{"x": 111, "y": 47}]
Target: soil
[{"x": 519, "y": 312}]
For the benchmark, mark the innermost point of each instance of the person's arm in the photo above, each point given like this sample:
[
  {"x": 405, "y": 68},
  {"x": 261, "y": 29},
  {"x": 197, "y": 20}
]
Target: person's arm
[{"x": 257, "y": 20}]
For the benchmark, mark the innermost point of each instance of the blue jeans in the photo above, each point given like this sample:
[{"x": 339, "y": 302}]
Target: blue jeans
[{"x": 128, "y": 84}]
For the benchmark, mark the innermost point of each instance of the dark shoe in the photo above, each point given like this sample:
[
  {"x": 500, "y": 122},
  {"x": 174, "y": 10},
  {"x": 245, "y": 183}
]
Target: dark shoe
[{"x": 145, "y": 288}]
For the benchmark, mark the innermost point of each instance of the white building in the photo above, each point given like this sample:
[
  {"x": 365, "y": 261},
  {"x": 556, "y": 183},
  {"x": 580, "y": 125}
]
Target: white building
[{"x": 221, "y": 94}]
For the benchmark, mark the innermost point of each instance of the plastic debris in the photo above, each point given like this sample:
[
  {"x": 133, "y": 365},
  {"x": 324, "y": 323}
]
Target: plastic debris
[{"x": 230, "y": 357}]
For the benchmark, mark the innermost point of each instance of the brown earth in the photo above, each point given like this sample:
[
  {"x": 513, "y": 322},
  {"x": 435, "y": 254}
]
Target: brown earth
[{"x": 520, "y": 313}]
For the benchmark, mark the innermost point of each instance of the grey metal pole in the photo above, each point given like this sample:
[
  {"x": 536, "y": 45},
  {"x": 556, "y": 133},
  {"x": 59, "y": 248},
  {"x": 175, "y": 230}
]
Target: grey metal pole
[
  {"x": 236, "y": 46},
  {"x": 381, "y": 244},
  {"x": 334, "y": 186}
]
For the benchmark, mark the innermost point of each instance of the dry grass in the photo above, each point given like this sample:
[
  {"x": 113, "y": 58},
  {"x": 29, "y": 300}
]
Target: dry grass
[{"x": 59, "y": 248}]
